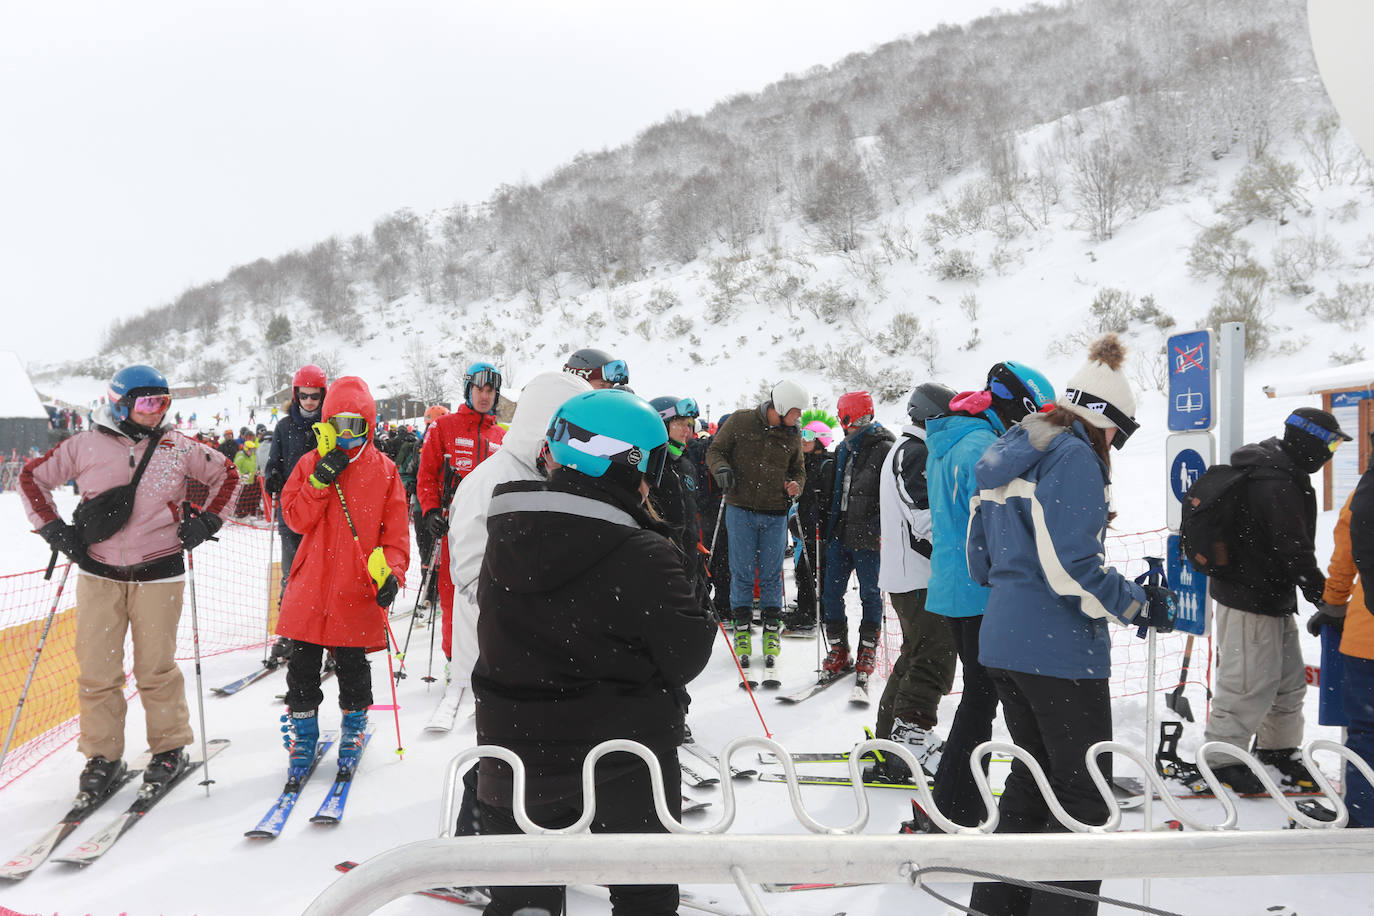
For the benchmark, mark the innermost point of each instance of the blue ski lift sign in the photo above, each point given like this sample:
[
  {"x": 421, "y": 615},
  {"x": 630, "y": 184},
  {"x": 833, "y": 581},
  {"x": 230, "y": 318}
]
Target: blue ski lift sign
[{"x": 1192, "y": 381}]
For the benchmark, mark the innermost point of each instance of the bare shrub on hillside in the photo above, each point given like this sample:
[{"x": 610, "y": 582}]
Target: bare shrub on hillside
[
  {"x": 956, "y": 264},
  {"x": 1350, "y": 306},
  {"x": 661, "y": 299},
  {"x": 835, "y": 195},
  {"x": 1326, "y": 150},
  {"x": 1298, "y": 258},
  {"x": 1103, "y": 174},
  {"x": 1217, "y": 251},
  {"x": 1266, "y": 189},
  {"x": 729, "y": 280},
  {"x": 1242, "y": 298},
  {"x": 901, "y": 333},
  {"x": 1344, "y": 358},
  {"x": 679, "y": 326},
  {"x": 1111, "y": 308},
  {"x": 828, "y": 302},
  {"x": 969, "y": 305},
  {"x": 848, "y": 368},
  {"x": 1150, "y": 369}
]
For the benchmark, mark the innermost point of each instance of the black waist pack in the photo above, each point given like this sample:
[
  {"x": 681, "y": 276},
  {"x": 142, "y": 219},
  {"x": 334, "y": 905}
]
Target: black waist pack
[{"x": 101, "y": 517}]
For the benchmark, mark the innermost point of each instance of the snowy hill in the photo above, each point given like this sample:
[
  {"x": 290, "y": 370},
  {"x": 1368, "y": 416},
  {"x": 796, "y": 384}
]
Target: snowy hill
[{"x": 885, "y": 308}]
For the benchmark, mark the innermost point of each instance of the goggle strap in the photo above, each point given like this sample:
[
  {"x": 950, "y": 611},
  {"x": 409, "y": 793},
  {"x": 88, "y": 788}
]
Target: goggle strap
[{"x": 1124, "y": 424}]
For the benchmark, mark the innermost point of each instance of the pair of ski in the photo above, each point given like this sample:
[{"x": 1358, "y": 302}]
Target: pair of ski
[
  {"x": 149, "y": 794},
  {"x": 331, "y": 809},
  {"x": 697, "y": 779},
  {"x": 264, "y": 669},
  {"x": 770, "y": 678},
  {"x": 858, "y": 696}
]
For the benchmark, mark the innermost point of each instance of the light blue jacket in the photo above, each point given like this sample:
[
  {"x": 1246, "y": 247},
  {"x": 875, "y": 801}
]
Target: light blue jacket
[
  {"x": 1037, "y": 537},
  {"x": 955, "y": 443}
]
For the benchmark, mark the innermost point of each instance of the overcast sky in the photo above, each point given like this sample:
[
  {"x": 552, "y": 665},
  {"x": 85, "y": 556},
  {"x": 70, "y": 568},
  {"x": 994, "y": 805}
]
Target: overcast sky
[{"x": 149, "y": 146}]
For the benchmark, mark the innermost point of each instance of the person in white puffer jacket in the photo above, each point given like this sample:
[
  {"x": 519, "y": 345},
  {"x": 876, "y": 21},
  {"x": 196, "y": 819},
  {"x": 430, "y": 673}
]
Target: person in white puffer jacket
[{"x": 518, "y": 459}]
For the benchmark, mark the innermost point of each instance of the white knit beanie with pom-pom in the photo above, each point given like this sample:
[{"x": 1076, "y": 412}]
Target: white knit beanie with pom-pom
[{"x": 1100, "y": 393}]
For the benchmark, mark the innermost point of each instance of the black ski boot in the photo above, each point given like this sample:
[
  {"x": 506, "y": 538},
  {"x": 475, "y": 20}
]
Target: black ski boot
[
  {"x": 1239, "y": 778},
  {"x": 100, "y": 776},
  {"x": 166, "y": 766},
  {"x": 1293, "y": 772}
]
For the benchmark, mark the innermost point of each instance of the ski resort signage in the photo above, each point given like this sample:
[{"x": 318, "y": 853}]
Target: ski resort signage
[
  {"x": 1186, "y": 455},
  {"x": 1191, "y": 588},
  {"x": 1192, "y": 381}
]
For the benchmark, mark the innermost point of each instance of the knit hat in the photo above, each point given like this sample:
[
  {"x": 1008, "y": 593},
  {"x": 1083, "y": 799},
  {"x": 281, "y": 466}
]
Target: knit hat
[{"x": 1099, "y": 392}]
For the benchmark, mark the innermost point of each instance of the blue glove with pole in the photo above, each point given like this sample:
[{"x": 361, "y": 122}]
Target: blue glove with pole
[{"x": 1161, "y": 605}]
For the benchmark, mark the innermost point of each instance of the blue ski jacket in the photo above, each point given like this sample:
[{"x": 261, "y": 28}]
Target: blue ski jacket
[
  {"x": 1037, "y": 536},
  {"x": 955, "y": 443}
]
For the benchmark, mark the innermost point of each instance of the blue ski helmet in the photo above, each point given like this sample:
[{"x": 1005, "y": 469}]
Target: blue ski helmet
[
  {"x": 481, "y": 375},
  {"x": 595, "y": 431},
  {"x": 1018, "y": 390},
  {"x": 133, "y": 382}
]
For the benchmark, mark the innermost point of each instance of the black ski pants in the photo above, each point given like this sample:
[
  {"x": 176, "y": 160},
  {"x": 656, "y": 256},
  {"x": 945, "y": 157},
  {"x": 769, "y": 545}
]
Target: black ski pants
[
  {"x": 623, "y": 805},
  {"x": 923, "y": 672},
  {"x": 354, "y": 672},
  {"x": 1056, "y": 720},
  {"x": 955, "y": 793}
]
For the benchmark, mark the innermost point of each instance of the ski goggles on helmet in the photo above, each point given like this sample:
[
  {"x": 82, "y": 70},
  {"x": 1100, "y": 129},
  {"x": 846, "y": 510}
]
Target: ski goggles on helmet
[
  {"x": 1125, "y": 425},
  {"x": 808, "y": 435},
  {"x": 152, "y": 403},
  {"x": 687, "y": 407},
  {"x": 1328, "y": 437},
  {"x": 617, "y": 372},
  {"x": 1002, "y": 392},
  {"x": 613, "y": 450},
  {"x": 349, "y": 425},
  {"x": 484, "y": 377}
]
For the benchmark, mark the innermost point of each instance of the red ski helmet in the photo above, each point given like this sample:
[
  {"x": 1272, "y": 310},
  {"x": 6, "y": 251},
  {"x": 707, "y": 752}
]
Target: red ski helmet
[
  {"x": 853, "y": 406},
  {"x": 309, "y": 376}
]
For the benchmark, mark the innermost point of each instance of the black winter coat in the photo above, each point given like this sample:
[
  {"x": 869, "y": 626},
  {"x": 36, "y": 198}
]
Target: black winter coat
[
  {"x": 815, "y": 495},
  {"x": 587, "y": 629},
  {"x": 857, "y": 473},
  {"x": 292, "y": 439},
  {"x": 1277, "y": 522},
  {"x": 674, "y": 499}
]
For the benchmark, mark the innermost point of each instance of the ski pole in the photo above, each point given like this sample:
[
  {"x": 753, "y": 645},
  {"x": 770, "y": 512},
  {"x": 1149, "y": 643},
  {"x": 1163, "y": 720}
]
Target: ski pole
[
  {"x": 267, "y": 617},
  {"x": 190, "y": 511},
  {"x": 424, "y": 583},
  {"x": 744, "y": 680},
  {"x": 42, "y": 641},
  {"x": 1153, "y": 575},
  {"x": 720, "y": 516},
  {"x": 386, "y": 618}
]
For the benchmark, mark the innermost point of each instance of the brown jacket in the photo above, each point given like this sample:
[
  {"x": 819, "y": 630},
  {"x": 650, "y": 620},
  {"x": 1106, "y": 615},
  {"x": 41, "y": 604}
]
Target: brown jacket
[{"x": 762, "y": 457}]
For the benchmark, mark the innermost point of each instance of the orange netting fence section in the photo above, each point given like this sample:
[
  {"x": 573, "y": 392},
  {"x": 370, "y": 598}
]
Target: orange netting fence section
[{"x": 1130, "y": 654}]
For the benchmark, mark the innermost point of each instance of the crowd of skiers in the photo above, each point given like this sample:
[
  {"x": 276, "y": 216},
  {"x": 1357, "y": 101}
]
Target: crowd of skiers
[{"x": 581, "y": 557}]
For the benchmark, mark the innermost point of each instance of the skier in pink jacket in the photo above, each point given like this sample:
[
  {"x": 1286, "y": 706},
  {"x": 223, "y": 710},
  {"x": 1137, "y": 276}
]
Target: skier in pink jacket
[{"x": 128, "y": 548}]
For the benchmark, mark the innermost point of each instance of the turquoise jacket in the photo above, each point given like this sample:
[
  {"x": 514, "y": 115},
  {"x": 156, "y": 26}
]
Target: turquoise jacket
[{"x": 955, "y": 443}]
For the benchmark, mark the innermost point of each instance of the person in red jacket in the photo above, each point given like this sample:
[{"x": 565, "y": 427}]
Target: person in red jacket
[
  {"x": 454, "y": 445},
  {"x": 346, "y": 503}
]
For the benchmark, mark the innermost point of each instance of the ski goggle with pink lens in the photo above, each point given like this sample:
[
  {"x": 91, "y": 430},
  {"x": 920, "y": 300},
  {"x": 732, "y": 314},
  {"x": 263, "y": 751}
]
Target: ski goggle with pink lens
[
  {"x": 152, "y": 403},
  {"x": 349, "y": 426}
]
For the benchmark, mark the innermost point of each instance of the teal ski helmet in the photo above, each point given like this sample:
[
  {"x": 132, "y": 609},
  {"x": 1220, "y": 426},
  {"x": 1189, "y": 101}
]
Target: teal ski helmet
[
  {"x": 481, "y": 375},
  {"x": 605, "y": 431},
  {"x": 1017, "y": 391}
]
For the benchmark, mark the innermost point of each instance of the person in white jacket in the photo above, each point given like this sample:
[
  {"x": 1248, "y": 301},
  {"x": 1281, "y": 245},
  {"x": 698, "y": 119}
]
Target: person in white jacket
[
  {"x": 924, "y": 671},
  {"x": 518, "y": 459}
]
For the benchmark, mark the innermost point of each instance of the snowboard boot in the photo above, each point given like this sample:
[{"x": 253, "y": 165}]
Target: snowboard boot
[
  {"x": 1239, "y": 778},
  {"x": 351, "y": 735},
  {"x": 165, "y": 767},
  {"x": 301, "y": 735},
  {"x": 837, "y": 660},
  {"x": 867, "y": 658},
  {"x": 1293, "y": 773},
  {"x": 100, "y": 776},
  {"x": 772, "y": 630}
]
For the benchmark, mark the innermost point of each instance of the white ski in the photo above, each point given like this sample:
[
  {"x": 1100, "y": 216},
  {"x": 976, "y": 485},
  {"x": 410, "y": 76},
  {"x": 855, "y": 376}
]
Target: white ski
[{"x": 446, "y": 713}]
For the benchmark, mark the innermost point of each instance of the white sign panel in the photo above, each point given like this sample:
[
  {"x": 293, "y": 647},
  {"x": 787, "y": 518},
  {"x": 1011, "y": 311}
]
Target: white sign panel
[{"x": 1186, "y": 456}]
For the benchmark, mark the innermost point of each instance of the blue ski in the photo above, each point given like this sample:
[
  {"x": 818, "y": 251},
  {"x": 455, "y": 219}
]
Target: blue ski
[
  {"x": 332, "y": 808},
  {"x": 273, "y": 822}
]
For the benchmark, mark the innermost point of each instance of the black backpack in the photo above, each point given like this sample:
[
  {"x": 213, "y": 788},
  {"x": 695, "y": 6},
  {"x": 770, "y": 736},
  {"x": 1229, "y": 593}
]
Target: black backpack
[{"x": 1211, "y": 510}]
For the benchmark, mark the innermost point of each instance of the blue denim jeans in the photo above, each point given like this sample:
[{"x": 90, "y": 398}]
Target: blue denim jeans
[
  {"x": 840, "y": 561},
  {"x": 756, "y": 543},
  {"x": 1357, "y": 686}
]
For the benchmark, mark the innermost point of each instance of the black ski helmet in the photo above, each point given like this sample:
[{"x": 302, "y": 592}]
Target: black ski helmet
[
  {"x": 597, "y": 365},
  {"x": 929, "y": 401}
]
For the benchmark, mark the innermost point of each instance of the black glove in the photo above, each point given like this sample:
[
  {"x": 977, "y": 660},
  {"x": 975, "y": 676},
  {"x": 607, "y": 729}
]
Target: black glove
[
  {"x": 195, "y": 530},
  {"x": 62, "y": 537},
  {"x": 387, "y": 593},
  {"x": 1328, "y": 615},
  {"x": 435, "y": 523},
  {"x": 1312, "y": 588},
  {"x": 275, "y": 482},
  {"x": 328, "y": 468},
  {"x": 1160, "y": 611},
  {"x": 725, "y": 478}
]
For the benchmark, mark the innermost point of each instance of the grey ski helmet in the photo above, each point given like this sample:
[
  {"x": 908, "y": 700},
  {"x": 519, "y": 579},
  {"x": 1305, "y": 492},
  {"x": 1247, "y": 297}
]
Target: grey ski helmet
[{"x": 929, "y": 401}]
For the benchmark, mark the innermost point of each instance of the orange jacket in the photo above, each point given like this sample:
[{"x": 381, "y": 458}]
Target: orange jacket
[
  {"x": 330, "y": 599},
  {"x": 463, "y": 439},
  {"x": 1343, "y": 584}
]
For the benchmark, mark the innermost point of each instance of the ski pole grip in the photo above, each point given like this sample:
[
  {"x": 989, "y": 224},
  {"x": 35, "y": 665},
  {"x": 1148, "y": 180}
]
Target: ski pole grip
[{"x": 52, "y": 562}]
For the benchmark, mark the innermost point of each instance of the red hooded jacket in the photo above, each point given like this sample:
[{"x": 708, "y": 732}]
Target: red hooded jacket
[
  {"x": 464, "y": 439},
  {"x": 330, "y": 599}
]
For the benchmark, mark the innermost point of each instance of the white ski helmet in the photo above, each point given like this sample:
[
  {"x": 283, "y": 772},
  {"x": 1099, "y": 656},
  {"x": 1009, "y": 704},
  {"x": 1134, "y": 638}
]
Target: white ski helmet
[{"x": 788, "y": 394}]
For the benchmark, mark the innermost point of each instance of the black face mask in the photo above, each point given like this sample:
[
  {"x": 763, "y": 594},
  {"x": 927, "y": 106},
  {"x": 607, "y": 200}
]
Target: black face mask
[{"x": 1307, "y": 452}]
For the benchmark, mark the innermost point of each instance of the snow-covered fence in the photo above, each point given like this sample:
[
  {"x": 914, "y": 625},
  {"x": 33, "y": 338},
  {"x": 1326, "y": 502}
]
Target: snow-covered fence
[
  {"x": 234, "y": 601},
  {"x": 839, "y": 854}
]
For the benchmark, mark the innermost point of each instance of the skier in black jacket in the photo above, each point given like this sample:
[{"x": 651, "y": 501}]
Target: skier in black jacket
[
  {"x": 709, "y": 495},
  {"x": 673, "y": 492},
  {"x": 588, "y": 627},
  {"x": 1261, "y": 681}
]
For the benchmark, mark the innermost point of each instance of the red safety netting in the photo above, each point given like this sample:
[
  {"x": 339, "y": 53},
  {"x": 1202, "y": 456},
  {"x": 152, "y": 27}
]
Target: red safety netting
[
  {"x": 236, "y": 585},
  {"x": 1130, "y": 654}
]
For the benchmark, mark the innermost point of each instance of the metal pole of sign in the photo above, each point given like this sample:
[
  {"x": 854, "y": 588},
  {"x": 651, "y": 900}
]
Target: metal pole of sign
[{"x": 1230, "y": 362}]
